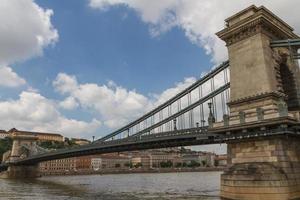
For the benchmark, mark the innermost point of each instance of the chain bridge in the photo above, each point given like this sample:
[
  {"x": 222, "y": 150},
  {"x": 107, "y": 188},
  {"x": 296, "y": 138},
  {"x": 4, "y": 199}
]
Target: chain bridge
[{"x": 250, "y": 102}]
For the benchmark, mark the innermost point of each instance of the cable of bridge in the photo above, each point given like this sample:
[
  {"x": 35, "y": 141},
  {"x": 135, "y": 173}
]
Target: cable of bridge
[
  {"x": 185, "y": 110},
  {"x": 285, "y": 43},
  {"x": 290, "y": 43},
  {"x": 207, "y": 77}
]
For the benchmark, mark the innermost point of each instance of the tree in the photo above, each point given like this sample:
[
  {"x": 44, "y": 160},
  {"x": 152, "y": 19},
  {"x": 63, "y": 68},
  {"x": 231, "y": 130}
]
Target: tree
[
  {"x": 216, "y": 162},
  {"x": 203, "y": 162},
  {"x": 5, "y": 145},
  {"x": 193, "y": 164},
  {"x": 178, "y": 165},
  {"x": 53, "y": 144},
  {"x": 167, "y": 164}
]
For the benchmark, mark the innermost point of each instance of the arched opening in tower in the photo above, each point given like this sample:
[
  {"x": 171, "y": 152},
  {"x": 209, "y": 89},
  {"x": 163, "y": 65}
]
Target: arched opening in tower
[{"x": 289, "y": 87}]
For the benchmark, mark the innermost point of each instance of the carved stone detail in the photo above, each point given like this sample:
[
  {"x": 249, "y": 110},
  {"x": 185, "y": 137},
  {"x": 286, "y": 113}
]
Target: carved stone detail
[
  {"x": 242, "y": 116},
  {"x": 226, "y": 120},
  {"x": 260, "y": 113},
  {"x": 282, "y": 108}
]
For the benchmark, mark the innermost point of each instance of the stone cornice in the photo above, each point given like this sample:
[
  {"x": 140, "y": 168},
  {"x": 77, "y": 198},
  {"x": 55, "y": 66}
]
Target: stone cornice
[
  {"x": 262, "y": 21},
  {"x": 257, "y": 97}
]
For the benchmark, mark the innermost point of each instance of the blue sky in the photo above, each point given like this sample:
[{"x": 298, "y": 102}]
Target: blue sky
[
  {"x": 112, "y": 45},
  {"x": 86, "y": 67},
  {"x": 102, "y": 46}
]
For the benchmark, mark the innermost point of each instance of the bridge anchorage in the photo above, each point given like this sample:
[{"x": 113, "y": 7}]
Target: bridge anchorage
[
  {"x": 257, "y": 114},
  {"x": 24, "y": 145}
]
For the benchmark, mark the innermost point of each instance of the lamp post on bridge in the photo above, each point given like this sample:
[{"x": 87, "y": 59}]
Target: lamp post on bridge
[
  {"x": 211, "y": 117},
  {"x": 175, "y": 127},
  {"x": 202, "y": 122}
]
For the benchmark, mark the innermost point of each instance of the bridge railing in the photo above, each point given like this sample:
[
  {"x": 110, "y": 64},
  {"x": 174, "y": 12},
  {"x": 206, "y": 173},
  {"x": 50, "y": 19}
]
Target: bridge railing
[{"x": 188, "y": 109}]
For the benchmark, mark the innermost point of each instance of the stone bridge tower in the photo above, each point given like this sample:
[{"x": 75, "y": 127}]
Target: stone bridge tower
[
  {"x": 24, "y": 145},
  {"x": 264, "y": 88}
]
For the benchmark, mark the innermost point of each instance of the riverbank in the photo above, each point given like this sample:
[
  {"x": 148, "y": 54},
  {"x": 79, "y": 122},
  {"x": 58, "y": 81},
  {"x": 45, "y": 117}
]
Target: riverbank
[{"x": 132, "y": 171}]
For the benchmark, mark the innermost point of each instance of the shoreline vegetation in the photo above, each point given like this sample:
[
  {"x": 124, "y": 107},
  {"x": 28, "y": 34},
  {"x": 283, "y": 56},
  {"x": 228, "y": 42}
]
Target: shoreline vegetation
[{"x": 133, "y": 171}]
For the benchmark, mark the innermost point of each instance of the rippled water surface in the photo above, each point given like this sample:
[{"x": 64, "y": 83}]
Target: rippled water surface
[{"x": 177, "y": 186}]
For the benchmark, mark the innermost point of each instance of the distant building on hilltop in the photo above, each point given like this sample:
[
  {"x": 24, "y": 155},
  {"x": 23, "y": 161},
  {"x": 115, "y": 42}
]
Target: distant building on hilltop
[
  {"x": 3, "y": 134},
  {"x": 41, "y": 136}
]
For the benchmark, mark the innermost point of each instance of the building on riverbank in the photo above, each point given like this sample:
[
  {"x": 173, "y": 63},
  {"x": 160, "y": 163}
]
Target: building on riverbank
[
  {"x": 160, "y": 158},
  {"x": 205, "y": 159},
  {"x": 59, "y": 166},
  {"x": 111, "y": 161},
  {"x": 83, "y": 163},
  {"x": 143, "y": 160},
  {"x": 221, "y": 160}
]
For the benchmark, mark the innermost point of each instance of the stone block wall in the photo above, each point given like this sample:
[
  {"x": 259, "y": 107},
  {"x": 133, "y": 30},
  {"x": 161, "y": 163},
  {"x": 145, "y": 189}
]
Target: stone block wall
[
  {"x": 20, "y": 172},
  {"x": 262, "y": 170}
]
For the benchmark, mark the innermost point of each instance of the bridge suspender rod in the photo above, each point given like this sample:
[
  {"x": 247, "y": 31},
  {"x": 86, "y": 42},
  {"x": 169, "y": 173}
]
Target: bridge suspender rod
[
  {"x": 169, "y": 102},
  {"x": 181, "y": 112}
]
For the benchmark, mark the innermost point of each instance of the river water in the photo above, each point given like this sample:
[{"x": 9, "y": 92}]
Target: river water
[{"x": 167, "y": 186}]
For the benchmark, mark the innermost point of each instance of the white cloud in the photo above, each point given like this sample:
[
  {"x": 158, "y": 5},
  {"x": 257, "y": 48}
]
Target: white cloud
[
  {"x": 25, "y": 30},
  {"x": 171, "y": 92},
  {"x": 9, "y": 78},
  {"x": 115, "y": 104},
  {"x": 69, "y": 103},
  {"x": 200, "y": 20},
  {"x": 33, "y": 111},
  {"x": 65, "y": 83}
]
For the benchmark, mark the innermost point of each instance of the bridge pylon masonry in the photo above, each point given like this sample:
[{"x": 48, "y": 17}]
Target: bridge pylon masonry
[
  {"x": 22, "y": 147},
  {"x": 264, "y": 91}
]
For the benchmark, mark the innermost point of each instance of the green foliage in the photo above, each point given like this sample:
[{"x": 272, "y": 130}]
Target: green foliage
[
  {"x": 216, "y": 162},
  {"x": 204, "y": 163},
  {"x": 70, "y": 142},
  {"x": 52, "y": 145},
  {"x": 193, "y": 164},
  {"x": 58, "y": 145},
  {"x": 167, "y": 164},
  {"x": 5, "y": 145},
  {"x": 178, "y": 165}
]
